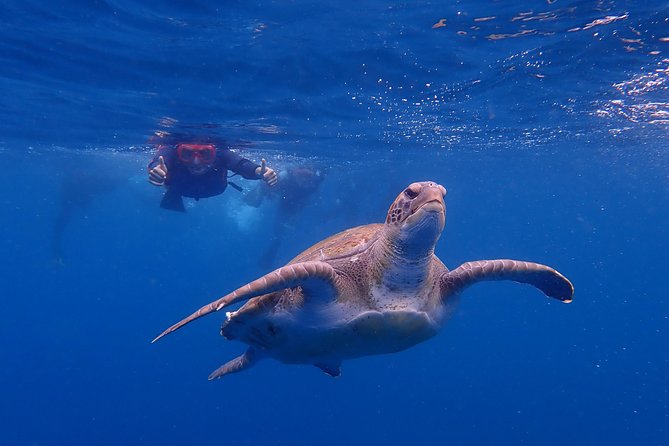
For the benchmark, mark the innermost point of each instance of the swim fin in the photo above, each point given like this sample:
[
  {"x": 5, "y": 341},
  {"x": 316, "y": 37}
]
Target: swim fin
[{"x": 172, "y": 201}]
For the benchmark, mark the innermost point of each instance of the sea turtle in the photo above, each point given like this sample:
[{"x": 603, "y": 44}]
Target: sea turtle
[{"x": 368, "y": 290}]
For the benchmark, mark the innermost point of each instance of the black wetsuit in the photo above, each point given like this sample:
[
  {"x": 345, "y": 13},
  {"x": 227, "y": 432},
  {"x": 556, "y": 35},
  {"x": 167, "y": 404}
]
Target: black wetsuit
[{"x": 181, "y": 183}]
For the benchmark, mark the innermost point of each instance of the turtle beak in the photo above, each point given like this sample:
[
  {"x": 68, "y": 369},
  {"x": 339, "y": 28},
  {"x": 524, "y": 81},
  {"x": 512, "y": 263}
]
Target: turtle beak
[
  {"x": 431, "y": 198},
  {"x": 420, "y": 231}
]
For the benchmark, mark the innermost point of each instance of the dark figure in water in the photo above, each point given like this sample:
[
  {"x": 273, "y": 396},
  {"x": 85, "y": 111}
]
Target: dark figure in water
[
  {"x": 293, "y": 192},
  {"x": 79, "y": 188},
  {"x": 198, "y": 168}
]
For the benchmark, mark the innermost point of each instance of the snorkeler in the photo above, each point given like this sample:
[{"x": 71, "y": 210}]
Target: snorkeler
[{"x": 199, "y": 169}]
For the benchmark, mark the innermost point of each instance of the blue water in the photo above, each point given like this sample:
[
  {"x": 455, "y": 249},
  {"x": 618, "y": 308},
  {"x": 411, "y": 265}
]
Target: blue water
[{"x": 546, "y": 121}]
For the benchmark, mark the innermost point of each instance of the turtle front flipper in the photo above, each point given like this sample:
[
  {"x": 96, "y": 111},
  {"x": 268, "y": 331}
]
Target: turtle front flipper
[
  {"x": 316, "y": 279},
  {"x": 549, "y": 281}
]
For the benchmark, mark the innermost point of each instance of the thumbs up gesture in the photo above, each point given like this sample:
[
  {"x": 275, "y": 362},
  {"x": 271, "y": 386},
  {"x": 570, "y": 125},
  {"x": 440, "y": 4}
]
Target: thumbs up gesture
[
  {"x": 158, "y": 174},
  {"x": 267, "y": 174}
]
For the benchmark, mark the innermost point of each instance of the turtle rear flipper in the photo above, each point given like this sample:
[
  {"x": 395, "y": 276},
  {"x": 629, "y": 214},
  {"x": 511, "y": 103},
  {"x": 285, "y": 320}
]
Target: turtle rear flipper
[
  {"x": 332, "y": 368},
  {"x": 240, "y": 363},
  {"x": 317, "y": 279},
  {"x": 549, "y": 281}
]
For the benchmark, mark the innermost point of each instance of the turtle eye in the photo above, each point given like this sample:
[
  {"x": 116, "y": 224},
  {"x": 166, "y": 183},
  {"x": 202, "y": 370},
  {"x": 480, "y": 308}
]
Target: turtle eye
[{"x": 411, "y": 192}]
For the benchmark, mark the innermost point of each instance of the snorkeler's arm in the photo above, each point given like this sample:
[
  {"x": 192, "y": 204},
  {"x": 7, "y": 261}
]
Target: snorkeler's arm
[
  {"x": 247, "y": 168},
  {"x": 238, "y": 164}
]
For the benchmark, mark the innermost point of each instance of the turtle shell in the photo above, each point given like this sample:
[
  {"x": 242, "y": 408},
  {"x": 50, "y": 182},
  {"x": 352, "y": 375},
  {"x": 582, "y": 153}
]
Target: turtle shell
[{"x": 342, "y": 245}]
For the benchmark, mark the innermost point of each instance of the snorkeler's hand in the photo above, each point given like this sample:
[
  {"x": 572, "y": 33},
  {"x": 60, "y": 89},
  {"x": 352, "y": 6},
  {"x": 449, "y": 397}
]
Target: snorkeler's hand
[
  {"x": 158, "y": 174},
  {"x": 267, "y": 173}
]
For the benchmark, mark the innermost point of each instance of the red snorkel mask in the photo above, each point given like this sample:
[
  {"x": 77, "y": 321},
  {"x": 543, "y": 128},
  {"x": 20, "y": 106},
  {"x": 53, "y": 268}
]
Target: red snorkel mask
[{"x": 196, "y": 153}]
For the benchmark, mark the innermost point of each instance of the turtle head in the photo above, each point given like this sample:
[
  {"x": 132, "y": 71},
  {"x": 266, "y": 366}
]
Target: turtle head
[{"x": 417, "y": 217}]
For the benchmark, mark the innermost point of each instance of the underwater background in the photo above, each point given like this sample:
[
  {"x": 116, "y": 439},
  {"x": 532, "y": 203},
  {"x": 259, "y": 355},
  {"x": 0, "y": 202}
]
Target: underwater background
[{"x": 546, "y": 121}]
